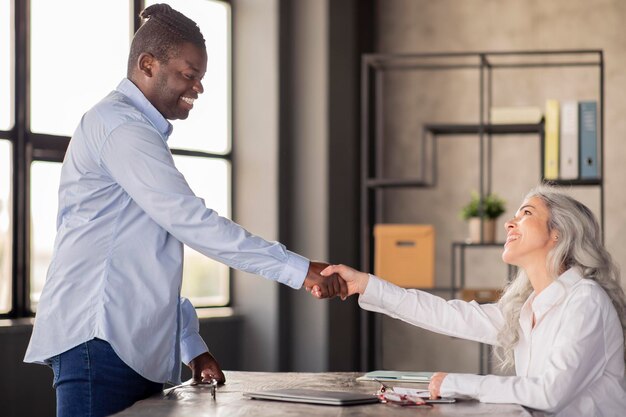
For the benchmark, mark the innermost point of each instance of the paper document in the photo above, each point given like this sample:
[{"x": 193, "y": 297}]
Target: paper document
[{"x": 412, "y": 392}]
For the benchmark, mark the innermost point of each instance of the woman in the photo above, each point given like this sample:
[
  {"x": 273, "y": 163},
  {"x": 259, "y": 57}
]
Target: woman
[{"x": 560, "y": 322}]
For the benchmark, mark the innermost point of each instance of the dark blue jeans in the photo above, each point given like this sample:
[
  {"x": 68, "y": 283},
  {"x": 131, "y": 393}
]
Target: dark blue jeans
[{"x": 92, "y": 381}]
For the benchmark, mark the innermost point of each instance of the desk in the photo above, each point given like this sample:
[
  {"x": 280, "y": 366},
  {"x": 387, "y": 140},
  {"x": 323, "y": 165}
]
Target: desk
[{"x": 194, "y": 402}]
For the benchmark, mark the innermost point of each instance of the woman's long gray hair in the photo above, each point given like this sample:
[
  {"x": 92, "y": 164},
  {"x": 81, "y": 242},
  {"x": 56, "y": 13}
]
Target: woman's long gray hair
[{"x": 579, "y": 245}]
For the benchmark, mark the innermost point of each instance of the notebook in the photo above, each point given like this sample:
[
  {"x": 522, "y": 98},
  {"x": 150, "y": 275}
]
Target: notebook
[{"x": 312, "y": 396}]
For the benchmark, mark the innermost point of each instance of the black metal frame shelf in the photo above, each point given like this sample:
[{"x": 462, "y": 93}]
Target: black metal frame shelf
[
  {"x": 460, "y": 247},
  {"x": 475, "y": 129},
  {"x": 396, "y": 183},
  {"x": 374, "y": 183}
]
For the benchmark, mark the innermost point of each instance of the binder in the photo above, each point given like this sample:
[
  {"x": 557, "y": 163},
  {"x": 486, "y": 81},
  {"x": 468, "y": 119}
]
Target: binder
[
  {"x": 588, "y": 128},
  {"x": 568, "y": 159},
  {"x": 551, "y": 146}
]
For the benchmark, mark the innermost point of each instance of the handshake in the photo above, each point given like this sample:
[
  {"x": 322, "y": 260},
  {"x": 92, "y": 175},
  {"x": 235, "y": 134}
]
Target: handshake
[{"x": 327, "y": 281}]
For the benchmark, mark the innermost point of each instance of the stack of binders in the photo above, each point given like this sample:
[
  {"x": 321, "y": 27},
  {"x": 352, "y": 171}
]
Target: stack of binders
[{"x": 571, "y": 140}]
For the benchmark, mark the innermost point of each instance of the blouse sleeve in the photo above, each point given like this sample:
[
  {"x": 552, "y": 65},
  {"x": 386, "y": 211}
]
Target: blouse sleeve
[{"x": 457, "y": 318}]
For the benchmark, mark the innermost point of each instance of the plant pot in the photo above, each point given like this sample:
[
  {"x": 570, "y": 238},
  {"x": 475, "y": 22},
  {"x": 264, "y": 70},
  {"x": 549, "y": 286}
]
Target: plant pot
[{"x": 489, "y": 230}]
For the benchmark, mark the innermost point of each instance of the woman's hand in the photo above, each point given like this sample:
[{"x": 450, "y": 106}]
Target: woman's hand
[
  {"x": 356, "y": 280},
  {"x": 435, "y": 384}
]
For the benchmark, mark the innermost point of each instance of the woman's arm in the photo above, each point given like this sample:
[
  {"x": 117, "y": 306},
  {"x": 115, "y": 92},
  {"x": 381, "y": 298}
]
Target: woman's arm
[
  {"x": 457, "y": 318},
  {"x": 453, "y": 318}
]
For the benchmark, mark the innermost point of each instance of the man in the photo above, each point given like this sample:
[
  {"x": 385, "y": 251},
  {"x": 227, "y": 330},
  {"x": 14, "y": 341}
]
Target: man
[{"x": 110, "y": 321}]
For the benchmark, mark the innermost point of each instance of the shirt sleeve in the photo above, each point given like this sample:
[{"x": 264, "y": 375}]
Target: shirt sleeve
[
  {"x": 191, "y": 343},
  {"x": 457, "y": 318},
  {"x": 138, "y": 159},
  {"x": 576, "y": 359}
]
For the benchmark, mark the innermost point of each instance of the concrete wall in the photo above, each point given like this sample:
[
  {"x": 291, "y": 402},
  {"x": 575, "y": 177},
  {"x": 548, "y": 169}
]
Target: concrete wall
[{"x": 405, "y": 26}]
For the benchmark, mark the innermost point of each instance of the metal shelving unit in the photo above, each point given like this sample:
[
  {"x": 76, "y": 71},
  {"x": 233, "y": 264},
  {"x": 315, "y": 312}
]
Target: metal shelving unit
[{"x": 373, "y": 183}]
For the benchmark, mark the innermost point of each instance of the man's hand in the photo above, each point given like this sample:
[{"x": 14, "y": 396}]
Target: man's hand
[
  {"x": 435, "y": 384},
  {"x": 324, "y": 286},
  {"x": 356, "y": 280},
  {"x": 204, "y": 367}
]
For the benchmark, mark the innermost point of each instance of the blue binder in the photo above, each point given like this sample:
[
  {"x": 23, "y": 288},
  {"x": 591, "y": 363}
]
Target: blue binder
[{"x": 588, "y": 131}]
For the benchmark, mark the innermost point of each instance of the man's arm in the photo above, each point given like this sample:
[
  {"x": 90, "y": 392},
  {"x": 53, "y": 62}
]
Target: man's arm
[
  {"x": 138, "y": 160},
  {"x": 194, "y": 352}
]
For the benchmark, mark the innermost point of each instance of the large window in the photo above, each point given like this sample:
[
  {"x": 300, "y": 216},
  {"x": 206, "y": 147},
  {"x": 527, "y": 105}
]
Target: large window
[
  {"x": 6, "y": 58},
  {"x": 6, "y": 155},
  {"x": 205, "y": 281},
  {"x": 35, "y": 130},
  {"x": 75, "y": 58},
  {"x": 44, "y": 184},
  {"x": 208, "y": 126},
  {"x": 5, "y": 226}
]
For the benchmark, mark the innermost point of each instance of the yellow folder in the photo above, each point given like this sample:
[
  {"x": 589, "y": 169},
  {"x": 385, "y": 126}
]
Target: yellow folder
[{"x": 551, "y": 147}]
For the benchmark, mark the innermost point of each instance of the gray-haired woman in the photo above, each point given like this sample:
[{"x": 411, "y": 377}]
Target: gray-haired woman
[{"x": 560, "y": 322}]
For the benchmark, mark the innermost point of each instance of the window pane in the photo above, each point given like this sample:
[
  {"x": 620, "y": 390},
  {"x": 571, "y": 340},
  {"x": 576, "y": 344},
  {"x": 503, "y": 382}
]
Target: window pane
[
  {"x": 44, "y": 182},
  {"x": 6, "y": 61},
  {"x": 79, "y": 51},
  {"x": 208, "y": 126},
  {"x": 205, "y": 281},
  {"x": 6, "y": 174}
]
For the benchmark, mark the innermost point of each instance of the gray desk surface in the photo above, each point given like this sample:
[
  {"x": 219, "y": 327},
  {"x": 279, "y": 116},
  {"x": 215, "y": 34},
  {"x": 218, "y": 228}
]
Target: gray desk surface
[{"x": 194, "y": 401}]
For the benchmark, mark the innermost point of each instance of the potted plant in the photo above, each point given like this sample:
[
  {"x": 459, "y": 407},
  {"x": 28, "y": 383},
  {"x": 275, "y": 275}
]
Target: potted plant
[{"x": 491, "y": 208}]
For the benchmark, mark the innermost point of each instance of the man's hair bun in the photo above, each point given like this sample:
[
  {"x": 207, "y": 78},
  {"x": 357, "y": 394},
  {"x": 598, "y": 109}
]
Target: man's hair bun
[{"x": 155, "y": 9}]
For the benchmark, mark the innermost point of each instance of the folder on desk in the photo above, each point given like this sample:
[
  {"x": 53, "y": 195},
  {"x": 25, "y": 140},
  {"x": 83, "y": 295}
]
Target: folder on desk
[
  {"x": 397, "y": 376},
  {"x": 312, "y": 396}
]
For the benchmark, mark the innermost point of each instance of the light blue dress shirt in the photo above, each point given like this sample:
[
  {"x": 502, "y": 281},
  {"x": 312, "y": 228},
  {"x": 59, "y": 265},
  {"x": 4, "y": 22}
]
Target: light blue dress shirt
[{"x": 125, "y": 212}]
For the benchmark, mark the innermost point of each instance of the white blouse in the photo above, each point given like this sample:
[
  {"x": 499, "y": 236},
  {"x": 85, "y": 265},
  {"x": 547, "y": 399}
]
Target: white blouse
[{"x": 570, "y": 364}]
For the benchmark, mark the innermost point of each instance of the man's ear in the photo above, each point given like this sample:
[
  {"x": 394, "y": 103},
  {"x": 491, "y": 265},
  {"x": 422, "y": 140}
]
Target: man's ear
[{"x": 146, "y": 63}]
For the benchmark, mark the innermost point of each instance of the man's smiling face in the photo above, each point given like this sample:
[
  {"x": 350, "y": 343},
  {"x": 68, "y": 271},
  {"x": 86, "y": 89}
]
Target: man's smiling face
[{"x": 178, "y": 82}]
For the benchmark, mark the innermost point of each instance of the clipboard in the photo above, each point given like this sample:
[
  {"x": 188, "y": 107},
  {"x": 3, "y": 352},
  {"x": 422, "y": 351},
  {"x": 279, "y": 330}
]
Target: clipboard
[{"x": 397, "y": 376}]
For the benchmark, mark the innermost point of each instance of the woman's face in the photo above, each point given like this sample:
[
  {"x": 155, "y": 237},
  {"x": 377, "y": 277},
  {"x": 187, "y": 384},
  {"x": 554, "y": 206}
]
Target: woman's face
[{"x": 528, "y": 239}]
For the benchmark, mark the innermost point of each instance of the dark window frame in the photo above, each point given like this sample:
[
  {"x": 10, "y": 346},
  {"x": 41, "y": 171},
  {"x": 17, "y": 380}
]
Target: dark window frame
[{"x": 28, "y": 146}]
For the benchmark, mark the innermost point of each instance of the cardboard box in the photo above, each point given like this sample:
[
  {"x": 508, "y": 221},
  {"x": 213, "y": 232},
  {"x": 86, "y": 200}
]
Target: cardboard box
[
  {"x": 405, "y": 254},
  {"x": 481, "y": 295}
]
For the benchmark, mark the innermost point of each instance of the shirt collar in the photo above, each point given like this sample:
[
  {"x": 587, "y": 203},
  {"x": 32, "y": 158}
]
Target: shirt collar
[
  {"x": 554, "y": 293},
  {"x": 130, "y": 90}
]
